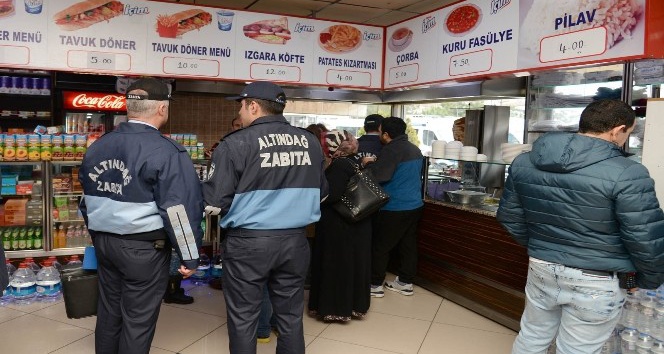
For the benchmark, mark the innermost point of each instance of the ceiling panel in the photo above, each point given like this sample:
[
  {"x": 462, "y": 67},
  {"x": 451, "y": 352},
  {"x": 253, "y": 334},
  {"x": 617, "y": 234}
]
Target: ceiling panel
[
  {"x": 388, "y": 4},
  {"x": 391, "y": 18},
  {"x": 350, "y": 13},
  {"x": 290, "y": 7},
  {"x": 428, "y": 5}
]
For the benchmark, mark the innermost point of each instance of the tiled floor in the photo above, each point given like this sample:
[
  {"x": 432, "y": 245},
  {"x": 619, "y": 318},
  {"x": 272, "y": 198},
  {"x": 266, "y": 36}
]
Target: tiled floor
[{"x": 423, "y": 323}]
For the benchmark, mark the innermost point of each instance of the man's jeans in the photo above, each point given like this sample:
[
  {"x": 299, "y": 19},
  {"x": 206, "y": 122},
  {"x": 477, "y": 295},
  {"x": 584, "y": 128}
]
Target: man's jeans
[{"x": 580, "y": 308}]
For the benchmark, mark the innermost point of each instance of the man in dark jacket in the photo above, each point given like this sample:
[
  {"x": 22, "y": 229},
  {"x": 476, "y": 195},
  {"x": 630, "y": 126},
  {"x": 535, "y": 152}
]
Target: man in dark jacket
[
  {"x": 586, "y": 213},
  {"x": 266, "y": 181},
  {"x": 370, "y": 144},
  {"x": 399, "y": 170},
  {"x": 142, "y": 195}
]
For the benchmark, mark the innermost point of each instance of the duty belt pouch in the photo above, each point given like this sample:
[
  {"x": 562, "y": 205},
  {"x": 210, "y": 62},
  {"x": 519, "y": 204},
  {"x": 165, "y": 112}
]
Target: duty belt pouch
[{"x": 80, "y": 290}]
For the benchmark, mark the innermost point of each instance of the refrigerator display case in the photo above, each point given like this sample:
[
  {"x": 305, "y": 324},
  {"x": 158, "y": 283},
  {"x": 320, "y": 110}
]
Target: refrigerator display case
[
  {"x": 66, "y": 226},
  {"x": 647, "y": 82},
  {"x": 22, "y": 210},
  {"x": 92, "y": 113}
]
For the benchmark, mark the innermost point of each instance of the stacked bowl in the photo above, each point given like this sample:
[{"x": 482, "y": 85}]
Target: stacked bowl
[
  {"x": 468, "y": 153},
  {"x": 438, "y": 149},
  {"x": 510, "y": 151},
  {"x": 453, "y": 149}
]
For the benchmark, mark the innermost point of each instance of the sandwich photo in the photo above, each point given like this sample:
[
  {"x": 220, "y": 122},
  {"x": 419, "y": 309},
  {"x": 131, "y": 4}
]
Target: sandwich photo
[
  {"x": 183, "y": 22},
  {"x": 6, "y": 8},
  {"x": 269, "y": 31},
  {"x": 87, "y": 13}
]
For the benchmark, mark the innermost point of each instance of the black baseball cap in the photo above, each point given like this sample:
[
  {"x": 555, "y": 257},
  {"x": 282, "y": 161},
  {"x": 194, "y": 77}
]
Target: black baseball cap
[
  {"x": 373, "y": 121},
  {"x": 157, "y": 90},
  {"x": 261, "y": 90}
]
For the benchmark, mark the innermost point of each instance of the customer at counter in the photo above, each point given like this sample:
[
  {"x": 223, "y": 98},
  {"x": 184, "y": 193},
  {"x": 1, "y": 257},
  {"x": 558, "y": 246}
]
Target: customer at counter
[
  {"x": 370, "y": 144},
  {"x": 398, "y": 169},
  {"x": 341, "y": 262},
  {"x": 588, "y": 216}
]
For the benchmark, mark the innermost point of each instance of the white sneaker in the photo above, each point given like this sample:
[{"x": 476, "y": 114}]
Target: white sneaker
[
  {"x": 406, "y": 289},
  {"x": 377, "y": 291}
]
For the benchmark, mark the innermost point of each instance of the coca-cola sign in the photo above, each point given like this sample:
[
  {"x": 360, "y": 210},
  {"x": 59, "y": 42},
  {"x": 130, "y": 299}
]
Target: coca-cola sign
[{"x": 94, "y": 101}]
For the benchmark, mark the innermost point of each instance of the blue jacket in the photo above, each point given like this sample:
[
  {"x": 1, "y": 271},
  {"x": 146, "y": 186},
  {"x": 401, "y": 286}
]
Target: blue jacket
[
  {"x": 398, "y": 169},
  {"x": 138, "y": 184},
  {"x": 369, "y": 146},
  {"x": 578, "y": 201},
  {"x": 267, "y": 176}
]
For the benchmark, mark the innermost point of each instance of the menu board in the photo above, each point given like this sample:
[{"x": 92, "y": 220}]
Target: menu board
[
  {"x": 23, "y": 36},
  {"x": 409, "y": 50}
]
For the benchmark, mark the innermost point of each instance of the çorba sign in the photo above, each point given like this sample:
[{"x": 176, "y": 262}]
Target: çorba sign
[{"x": 93, "y": 101}]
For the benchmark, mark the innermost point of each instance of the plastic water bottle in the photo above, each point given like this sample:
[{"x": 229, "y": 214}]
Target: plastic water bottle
[
  {"x": 643, "y": 344},
  {"x": 55, "y": 263},
  {"x": 32, "y": 265},
  {"x": 628, "y": 338},
  {"x": 630, "y": 313},
  {"x": 647, "y": 312},
  {"x": 74, "y": 261},
  {"x": 200, "y": 277},
  {"x": 657, "y": 348},
  {"x": 24, "y": 285},
  {"x": 7, "y": 297},
  {"x": 609, "y": 346},
  {"x": 48, "y": 283}
]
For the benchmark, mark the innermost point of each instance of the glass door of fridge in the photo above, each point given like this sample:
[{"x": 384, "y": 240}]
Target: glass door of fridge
[
  {"x": 648, "y": 82},
  {"x": 67, "y": 226}
]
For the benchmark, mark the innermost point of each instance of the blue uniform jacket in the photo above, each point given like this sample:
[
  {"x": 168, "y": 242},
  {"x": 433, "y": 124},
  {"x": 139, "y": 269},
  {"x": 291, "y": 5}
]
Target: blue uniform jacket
[
  {"x": 267, "y": 176},
  {"x": 137, "y": 181},
  {"x": 578, "y": 201}
]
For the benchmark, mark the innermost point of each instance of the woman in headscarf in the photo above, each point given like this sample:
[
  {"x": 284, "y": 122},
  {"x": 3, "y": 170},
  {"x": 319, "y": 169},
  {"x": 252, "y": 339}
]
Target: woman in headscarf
[{"x": 341, "y": 258}]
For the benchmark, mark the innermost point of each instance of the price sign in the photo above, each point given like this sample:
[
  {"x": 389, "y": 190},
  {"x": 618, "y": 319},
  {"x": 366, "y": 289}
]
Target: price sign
[
  {"x": 403, "y": 74},
  {"x": 191, "y": 67},
  {"x": 473, "y": 62},
  {"x": 275, "y": 72},
  {"x": 103, "y": 61},
  {"x": 14, "y": 55},
  {"x": 578, "y": 44},
  {"x": 349, "y": 78}
]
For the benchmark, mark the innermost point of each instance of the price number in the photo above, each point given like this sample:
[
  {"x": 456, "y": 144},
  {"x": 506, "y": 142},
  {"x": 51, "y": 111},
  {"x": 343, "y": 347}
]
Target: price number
[
  {"x": 344, "y": 78},
  {"x": 403, "y": 74},
  {"x": 103, "y": 61},
  {"x": 471, "y": 63},
  {"x": 349, "y": 78},
  {"x": 275, "y": 72},
  {"x": 191, "y": 67},
  {"x": 579, "y": 44}
]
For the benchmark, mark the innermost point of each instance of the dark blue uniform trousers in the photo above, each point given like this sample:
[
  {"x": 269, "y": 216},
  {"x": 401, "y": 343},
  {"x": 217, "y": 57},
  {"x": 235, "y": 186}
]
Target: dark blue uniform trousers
[
  {"x": 252, "y": 260},
  {"x": 133, "y": 276}
]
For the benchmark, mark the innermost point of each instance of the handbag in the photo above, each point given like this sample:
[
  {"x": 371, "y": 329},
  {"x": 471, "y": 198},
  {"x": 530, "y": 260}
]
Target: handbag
[
  {"x": 363, "y": 196},
  {"x": 80, "y": 290}
]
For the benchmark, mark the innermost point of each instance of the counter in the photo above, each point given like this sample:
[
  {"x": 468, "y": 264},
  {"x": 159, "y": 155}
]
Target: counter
[{"x": 467, "y": 257}]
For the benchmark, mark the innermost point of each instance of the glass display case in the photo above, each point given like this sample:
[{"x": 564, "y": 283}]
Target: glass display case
[
  {"x": 66, "y": 227},
  {"x": 557, "y": 98},
  {"x": 648, "y": 81},
  {"x": 22, "y": 210}
]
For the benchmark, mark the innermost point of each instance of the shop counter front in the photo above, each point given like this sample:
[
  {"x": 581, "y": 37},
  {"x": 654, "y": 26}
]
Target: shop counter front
[{"x": 467, "y": 257}]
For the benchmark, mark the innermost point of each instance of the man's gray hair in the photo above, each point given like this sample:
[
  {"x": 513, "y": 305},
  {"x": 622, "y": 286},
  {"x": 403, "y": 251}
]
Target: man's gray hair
[{"x": 142, "y": 108}]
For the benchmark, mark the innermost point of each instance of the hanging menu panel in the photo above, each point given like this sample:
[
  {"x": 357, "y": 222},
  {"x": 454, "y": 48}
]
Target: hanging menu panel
[{"x": 23, "y": 36}]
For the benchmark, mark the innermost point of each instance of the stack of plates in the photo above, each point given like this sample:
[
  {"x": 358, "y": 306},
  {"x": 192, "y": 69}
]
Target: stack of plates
[
  {"x": 510, "y": 151},
  {"x": 482, "y": 158},
  {"x": 438, "y": 148},
  {"x": 468, "y": 153},
  {"x": 452, "y": 150}
]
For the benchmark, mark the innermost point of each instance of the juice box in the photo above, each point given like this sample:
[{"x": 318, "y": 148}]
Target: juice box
[
  {"x": 21, "y": 153},
  {"x": 34, "y": 153},
  {"x": 68, "y": 153},
  {"x": 45, "y": 152},
  {"x": 57, "y": 153},
  {"x": 9, "y": 153}
]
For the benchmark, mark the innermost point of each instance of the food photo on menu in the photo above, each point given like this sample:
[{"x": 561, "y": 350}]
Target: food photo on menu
[
  {"x": 400, "y": 39},
  {"x": 340, "y": 39},
  {"x": 463, "y": 19},
  {"x": 273, "y": 31},
  {"x": 543, "y": 19},
  {"x": 177, "y": 24},
  {"x": 87, "y": 13},
  {"x": 6, "y": 8}
]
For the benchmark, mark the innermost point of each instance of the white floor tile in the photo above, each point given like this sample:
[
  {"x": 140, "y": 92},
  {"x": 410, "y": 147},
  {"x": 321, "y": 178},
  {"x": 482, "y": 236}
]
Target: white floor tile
[
  {"x": 447, "y": 339},
  {"x": 57, "y": 312},
  {"x": 8, "y": 313},
  {"x": 327, "y": 346},
  {"x": 85, "y": 345},
  {"x": 456, "y": 315},
  {"x": 33, "y": 334},
  {"x": 206, "y": 300},
  {"x": 312, "y": 326},
  {"x": 420, "y": 305},
  {"x": 380, "y": 331},
  {"x": 178, "y": 328}
]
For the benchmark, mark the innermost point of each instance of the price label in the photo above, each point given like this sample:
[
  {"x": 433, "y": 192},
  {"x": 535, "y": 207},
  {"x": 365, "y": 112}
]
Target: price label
[
  {"x": 584, "y": 43},
  {"x": 349, "y": 78},
  {"x": 473, "y": 62},
  {"x": 102, "y": 61},
  {"x": 191, "y": 67},
  {"x": 275, "y": 72},
  {"x": 403, "y": 74},
  {"x": 14, "y": 55}
]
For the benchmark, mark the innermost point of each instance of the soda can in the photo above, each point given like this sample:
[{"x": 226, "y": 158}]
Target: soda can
[
  {"x": 36, "y": 83},
  {"x": 17, "y": 82}
]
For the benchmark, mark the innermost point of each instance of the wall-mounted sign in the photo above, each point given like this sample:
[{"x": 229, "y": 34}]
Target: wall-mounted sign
[{"x": 93, "y": 101}]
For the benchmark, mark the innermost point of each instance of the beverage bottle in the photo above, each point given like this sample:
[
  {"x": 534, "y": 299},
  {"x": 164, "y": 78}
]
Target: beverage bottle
[
  {"x": 37, "y": 240},
  {"x": 630, "y": 312},
  {"x": 55, "y": 263},
  {"x": 15, "y": 238},
  {"x": 22, "y": 239},
  {"x": 70, "y": 241},
  {"x": 609, "y": 346},
  {"x": 86, "y": 236},
  {"x": 74, "y": 261},
  {"x": 657, "y": 348},
  {"x": 628, "y": 339},
  {"x": 201, "y": 274},
  {"x": 217, "y": 266},
  {"x": 643, "y": 344},
  {"x": 7, "y": 240},
  {"x": 60, "y": 238},
  {"x": 78, "y": 236},
  {"x": 7, "y": 293},
  {"x": 24, "y": 285},
  {"x": 32, "y": 265},
  {"x": 48, "y": 283},
  {"x": 647, "y": 311},
  {"x": 29, "y": 238}
]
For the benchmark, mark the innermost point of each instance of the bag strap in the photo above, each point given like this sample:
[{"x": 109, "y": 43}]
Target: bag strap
[{"x": 355, "y": 166}]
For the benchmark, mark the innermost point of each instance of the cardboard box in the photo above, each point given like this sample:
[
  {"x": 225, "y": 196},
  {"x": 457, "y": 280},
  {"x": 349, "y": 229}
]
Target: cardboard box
[
  {"x": 24, "y": 188},
  {"x": 9, "y": 180},
  {"x": 62, "y": 183},
  {"x": 8, "y": 190},
  {"x": 14, "y": 219},
  {"x": 15, "y": 205}
]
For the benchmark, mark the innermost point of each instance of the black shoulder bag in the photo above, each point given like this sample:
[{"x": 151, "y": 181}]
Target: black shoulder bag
[{"x": 363, "y": 196}]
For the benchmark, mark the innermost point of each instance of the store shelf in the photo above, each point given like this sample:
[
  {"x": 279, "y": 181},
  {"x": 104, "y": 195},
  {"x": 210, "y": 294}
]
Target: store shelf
[
  {"x": 480, "y": 162},
  {"x": 68, "y": 194},
  {"x": 43, "y": 253}
]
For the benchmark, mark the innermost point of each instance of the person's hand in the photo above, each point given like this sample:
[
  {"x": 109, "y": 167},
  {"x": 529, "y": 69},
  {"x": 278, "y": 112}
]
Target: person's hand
[
  {"x": 367, "y": 160},
  {"x": 186, "y": 272}
]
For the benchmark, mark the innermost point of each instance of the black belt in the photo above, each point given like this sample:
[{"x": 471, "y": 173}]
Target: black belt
[{"x": 602, "y": 273}]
